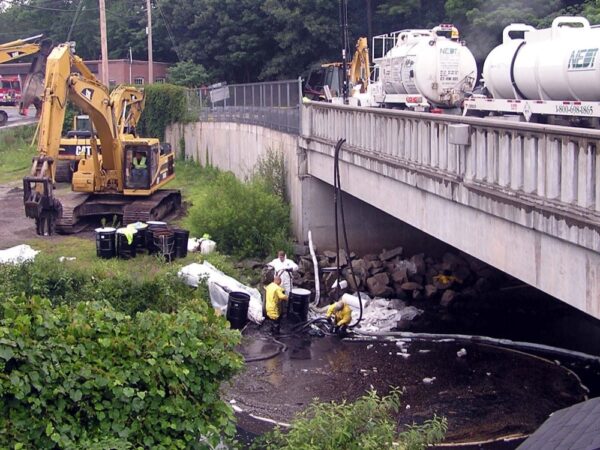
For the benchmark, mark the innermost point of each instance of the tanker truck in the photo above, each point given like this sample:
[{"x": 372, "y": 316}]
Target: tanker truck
[
  {"x": 422, "y": 70},
  {"x": 543, "y": 75}
]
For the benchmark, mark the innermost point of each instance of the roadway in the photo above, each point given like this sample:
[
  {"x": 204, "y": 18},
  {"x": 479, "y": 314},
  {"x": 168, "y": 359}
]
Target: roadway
[{"x": 15, "y": 119}]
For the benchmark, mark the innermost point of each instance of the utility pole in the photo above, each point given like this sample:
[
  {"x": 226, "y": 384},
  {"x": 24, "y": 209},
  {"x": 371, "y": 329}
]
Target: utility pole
[
  {"x": 344, "y": 35},
  {"x": 103, "y": 44},
  {"x": 149, "y": 32},
  {"x": 369, "y": 23}
]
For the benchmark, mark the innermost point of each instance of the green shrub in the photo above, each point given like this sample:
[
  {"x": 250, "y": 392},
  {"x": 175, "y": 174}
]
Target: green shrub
[
  {"x": 366, "y": 424},
  {"x": 165, "y": 104},
  {"x": 242, "y": 218},
  {"x": 270, "y": 170},
  {"x": 128, "y": 292},
  {"x": 88, "y": 376}
]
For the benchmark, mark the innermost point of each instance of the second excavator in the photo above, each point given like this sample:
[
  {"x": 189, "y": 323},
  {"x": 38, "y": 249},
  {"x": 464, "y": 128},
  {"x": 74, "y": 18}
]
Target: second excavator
[{"x": 124, "y": 179}]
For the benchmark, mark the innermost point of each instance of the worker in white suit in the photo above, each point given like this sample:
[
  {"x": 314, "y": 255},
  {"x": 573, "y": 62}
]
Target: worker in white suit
[{"x": 284, "y": 268}]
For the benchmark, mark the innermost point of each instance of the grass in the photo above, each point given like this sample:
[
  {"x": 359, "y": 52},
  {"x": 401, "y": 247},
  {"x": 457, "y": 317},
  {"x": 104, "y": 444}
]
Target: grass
[
  {"x": 16, "y": 152},
  {"x": 143, "y": 266}
]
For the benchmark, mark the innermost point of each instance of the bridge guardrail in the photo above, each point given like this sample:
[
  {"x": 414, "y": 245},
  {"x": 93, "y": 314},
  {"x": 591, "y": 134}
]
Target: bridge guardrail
[
  {"x": 553, "y": 170},
  {"x": 273, "y": 104}
]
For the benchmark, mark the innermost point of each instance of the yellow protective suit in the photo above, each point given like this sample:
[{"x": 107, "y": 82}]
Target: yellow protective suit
[
  {"x": 274, "y": 297},
  {"x": 342, "y": 317}
]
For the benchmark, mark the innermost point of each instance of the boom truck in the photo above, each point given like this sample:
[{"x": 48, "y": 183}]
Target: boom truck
[
  {"x": 20, "y": 48},
  {"x": 104, "y": 183}
]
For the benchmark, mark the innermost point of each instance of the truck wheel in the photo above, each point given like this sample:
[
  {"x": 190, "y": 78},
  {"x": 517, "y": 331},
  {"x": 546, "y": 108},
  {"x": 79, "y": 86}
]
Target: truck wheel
[{"x": 3, "y": 118}]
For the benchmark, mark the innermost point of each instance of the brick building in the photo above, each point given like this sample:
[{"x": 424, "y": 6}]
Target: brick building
[{"x": 120, "y": 71}]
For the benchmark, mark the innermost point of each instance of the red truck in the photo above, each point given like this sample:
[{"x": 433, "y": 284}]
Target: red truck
[{"x": 10, "y": 90}]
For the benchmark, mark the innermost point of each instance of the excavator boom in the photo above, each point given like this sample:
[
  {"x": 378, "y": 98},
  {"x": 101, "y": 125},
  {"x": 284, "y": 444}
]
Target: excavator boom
[
  {"x": 110, "y": 177},
  {"x": 31, "y": 89}
]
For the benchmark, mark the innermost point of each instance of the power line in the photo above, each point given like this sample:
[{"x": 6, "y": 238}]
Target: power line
[
  {"x": 168, "y": 31},
  {"x": 75, "y": 17},
  {"x": 44, "y": 8}
]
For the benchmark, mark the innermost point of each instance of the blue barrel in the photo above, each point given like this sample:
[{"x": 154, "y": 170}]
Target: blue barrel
[{"x": 105, "y": 242}]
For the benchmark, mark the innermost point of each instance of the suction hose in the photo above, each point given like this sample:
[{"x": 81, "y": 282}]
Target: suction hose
[{"x": 337, "y": 192}]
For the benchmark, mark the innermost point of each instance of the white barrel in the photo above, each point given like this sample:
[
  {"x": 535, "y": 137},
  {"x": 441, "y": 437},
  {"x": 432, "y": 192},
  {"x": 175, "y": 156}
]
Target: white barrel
[
  {"x": 422, "y": 63},
  {"x": 557, "y": 63}
]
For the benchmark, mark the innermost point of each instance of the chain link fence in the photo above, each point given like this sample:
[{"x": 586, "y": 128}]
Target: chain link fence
[{"x": 273, "y": 104}]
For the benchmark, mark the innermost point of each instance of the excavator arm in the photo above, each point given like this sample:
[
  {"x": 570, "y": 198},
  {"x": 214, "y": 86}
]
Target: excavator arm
[
  {"x": 128, "y": 104},
  {"x": 85, "y": 91},
  {"x": 360, "y": 69},
  {"x": 19, "y": 48}
]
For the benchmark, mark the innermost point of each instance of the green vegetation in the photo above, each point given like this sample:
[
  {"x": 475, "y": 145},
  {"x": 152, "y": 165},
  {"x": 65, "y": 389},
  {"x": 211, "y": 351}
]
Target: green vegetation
[
  {"x": 270, "y": 170},
  {"x": 188, "y": 74},
  {"x": 366, "y": 424},
  {"x": 165, "y": 104},
  {"x": 245, "y": 219},
  {"x": 88, "y": 376},
  {"x": 15, "y": 152}
]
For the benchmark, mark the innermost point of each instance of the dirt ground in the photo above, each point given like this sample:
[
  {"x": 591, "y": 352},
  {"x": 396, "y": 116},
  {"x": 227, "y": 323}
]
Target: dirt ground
[{"x": 15, "y": 228}]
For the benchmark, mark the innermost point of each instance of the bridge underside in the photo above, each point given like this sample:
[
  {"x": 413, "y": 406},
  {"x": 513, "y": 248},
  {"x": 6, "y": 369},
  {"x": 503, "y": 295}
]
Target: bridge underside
[{"x": 559, "y": 268}]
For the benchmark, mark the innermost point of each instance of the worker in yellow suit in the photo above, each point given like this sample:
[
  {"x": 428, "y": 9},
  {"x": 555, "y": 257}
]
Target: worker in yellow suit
[
  {"x": 341, "y": 314},
  {"x": 273, "y": 298}
]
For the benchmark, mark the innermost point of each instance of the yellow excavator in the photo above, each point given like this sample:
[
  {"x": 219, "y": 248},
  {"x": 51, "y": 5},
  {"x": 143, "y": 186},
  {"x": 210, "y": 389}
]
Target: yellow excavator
[
  {"x": 128, "y": 102},
  {"x": 31, "y": 90},
  {"x": 124, "y": 180},
  {"x": 332, "y": 76}
]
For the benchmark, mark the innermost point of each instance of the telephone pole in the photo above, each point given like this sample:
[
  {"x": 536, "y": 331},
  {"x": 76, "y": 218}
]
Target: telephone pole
[
  {"x": 103, "y": 44},
  {"x": 149, "y": 32}
]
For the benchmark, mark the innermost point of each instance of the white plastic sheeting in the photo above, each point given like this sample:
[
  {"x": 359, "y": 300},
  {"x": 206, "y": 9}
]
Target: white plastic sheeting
[
  {"x": 219, "y": 287},
  {"x": 17, "y": 255},
  {"x": 379, "y": 314}
]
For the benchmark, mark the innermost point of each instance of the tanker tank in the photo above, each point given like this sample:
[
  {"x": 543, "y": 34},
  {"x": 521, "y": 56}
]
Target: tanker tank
[
  {"x": 560, "y": 63},
  {"x": 427, "y": 68}
]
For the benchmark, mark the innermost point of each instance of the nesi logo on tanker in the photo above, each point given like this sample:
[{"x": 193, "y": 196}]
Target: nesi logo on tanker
[{"x": 582, "y": 59}]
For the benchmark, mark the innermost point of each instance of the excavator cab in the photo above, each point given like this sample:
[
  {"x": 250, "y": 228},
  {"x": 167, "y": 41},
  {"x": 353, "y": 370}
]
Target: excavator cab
[{"x": 140, "y": 161}]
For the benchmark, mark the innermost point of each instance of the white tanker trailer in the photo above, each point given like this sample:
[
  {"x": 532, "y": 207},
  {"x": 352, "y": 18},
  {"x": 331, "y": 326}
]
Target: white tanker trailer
[
  {"x": 421, "y": 69},
  {"x": 549, "y": 72}
]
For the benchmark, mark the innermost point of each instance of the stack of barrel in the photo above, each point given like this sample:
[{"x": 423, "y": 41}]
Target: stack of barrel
[{"x": 151, "y": 237}]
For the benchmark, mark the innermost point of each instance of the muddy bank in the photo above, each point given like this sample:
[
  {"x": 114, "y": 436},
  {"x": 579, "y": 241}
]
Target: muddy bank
[{"x": 484, "y": 394}]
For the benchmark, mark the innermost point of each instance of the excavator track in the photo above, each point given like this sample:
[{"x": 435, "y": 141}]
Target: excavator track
[
  {"x": 77, "y": 207},
  {"x": 154, "y": 207}
]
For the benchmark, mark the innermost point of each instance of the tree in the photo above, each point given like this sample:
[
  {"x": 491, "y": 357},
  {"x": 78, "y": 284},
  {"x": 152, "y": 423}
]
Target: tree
[
  {"x": 481, "y": 21},
  {"x": 188, "y": 74},
  {"x": 305, "y": 32}
]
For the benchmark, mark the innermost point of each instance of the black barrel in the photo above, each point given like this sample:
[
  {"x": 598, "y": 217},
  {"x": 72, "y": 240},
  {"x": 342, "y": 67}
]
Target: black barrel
[
  {"x": 153, "y": 226},
  {"x": 298, "y": 305},
  {"x": 164, "y": 243},
  {"x": 181, "y": 242},
  {"x": 140, "y": 236},
  {"x": 237, "y": 309},
  {"x": 125, "y": 250},
  {"x": 105, "y": 242}
]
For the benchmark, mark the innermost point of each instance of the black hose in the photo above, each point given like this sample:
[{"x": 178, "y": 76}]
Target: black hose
[
  {"x": 280, "y": 349},
  {"x": 337, "y": 190}
]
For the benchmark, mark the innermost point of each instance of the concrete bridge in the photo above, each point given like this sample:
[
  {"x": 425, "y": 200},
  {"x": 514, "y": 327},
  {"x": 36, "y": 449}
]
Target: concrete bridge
[{"x": 524, "y": 198}]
